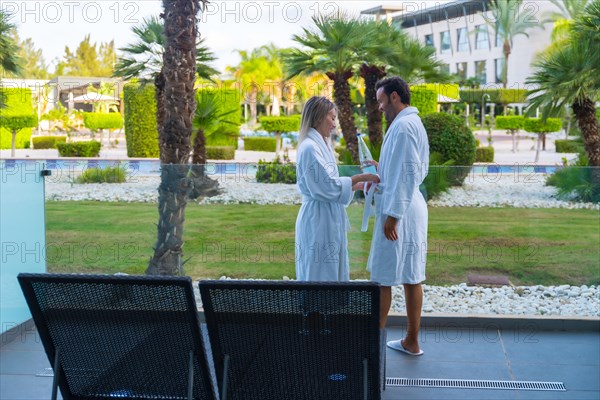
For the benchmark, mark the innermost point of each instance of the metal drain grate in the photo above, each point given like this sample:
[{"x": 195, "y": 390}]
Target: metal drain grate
[
  {"x": 476, "y": 384},
  {"x": 49, "y": 372}
]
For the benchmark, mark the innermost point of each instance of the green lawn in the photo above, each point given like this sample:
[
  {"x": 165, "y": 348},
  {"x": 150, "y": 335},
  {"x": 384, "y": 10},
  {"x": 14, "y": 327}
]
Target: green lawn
[{"x": 531, "y": 246}]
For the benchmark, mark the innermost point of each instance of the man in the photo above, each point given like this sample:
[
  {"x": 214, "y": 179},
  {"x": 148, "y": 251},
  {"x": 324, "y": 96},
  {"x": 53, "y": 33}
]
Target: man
[{"x": 399, "y": 246}]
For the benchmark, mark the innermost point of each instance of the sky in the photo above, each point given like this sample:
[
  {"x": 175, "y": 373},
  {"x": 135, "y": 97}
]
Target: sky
[{"x": 227, "y": 25}]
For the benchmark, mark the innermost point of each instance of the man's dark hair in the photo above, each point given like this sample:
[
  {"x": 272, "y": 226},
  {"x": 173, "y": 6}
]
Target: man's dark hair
[{"x": 395, "y": 84}]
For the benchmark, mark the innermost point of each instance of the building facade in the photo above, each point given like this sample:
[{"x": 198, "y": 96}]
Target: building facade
[{"x": 464, "y": 36}]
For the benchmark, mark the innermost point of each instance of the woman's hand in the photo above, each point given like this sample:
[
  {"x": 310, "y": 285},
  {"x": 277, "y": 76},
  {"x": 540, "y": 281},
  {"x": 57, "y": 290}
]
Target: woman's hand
[{"x": 358, "y": 179}]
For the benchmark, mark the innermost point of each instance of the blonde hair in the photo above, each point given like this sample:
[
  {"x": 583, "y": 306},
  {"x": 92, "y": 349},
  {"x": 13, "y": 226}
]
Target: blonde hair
[{"x": 315, "y": 110}]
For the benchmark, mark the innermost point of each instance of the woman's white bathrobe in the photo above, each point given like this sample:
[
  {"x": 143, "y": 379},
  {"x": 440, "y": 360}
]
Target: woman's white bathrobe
[
  {"x": 403, "y": 165},
  {"x": 322, "y": 223}
]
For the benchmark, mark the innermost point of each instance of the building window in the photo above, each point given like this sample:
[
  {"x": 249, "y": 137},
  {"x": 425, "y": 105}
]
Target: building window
[
  {"x": 481, "y": 37},
  {"x": 499, "y": 41},
  {"x": 499, "y": 66},
  {"x": 429, "y": 40},
  {"x": 446, "y": 42},
  {"x": 480, "y": 72},
  {"x": 462, "y": 39},
  {"x": 461, "y": 70}
]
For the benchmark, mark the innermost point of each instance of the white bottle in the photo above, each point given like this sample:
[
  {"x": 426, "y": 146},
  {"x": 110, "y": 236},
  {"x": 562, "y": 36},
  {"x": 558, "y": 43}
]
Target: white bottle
[{"x": 364, "y": 156}]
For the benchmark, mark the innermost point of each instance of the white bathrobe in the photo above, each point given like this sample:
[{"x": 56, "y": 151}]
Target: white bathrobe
[
  {"x": 403, "y": 165},
  {"x": 322, "y": 223}
]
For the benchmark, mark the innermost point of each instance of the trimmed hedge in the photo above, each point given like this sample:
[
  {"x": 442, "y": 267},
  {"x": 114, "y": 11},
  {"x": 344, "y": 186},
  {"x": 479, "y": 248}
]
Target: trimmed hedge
[
  {"x": 141, "y": 133},
  {"x": 497, "y": 96},
  {"x": 281, "y": 124},
  {"x": 259, "y": 144},
  {"x": 17, "y": 101},
  {"x": 424, "y": 99},
  {"x": 47, "y": 142},
  {"x": 484, "y": 154},
  {"x": 511, "y": 123},
  {"x": 568, "y": 146},
  {"x": 451, "y": 90},
  {"x": 275, "y": 172},
  {"x": 98, "y": 121},
  {"x": 536, "y": 125},
  {"x": 220, "y": 152},
  {"x": 79, "y": 149}
]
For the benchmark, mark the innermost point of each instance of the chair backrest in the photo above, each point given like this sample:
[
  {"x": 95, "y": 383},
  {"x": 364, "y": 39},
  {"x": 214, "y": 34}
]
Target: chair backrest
[
  {"x": 120, "y": 336},
  {"x": 294, "y": 340}
]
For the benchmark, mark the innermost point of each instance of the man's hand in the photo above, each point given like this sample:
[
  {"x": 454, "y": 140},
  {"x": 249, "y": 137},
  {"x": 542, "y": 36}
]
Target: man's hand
[{"x": 389, "y": 228}]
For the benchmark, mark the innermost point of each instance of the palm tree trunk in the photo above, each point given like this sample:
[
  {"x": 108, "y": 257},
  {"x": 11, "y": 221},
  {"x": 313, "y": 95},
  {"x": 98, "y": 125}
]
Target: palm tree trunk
[
  {"x": 13, "y": 143},
  {"x": 179, "y": 67},
  {"x": 507, "y": 50},
  {"x": 341, "y": 94},
  {"x": 202, "y": 185},
  {"x": 159, "y": 95},
  {"x": 371, "y": 74},
  {"x": 585, "y": 114}
]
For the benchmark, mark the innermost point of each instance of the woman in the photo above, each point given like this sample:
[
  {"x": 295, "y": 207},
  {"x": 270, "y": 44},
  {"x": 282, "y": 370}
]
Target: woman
[{"x": 321, "y": 241}]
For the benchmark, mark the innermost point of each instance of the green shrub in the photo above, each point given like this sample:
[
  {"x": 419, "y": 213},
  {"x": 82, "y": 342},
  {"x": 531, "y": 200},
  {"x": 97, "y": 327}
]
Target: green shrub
[
  {"x": 220, "y": 152},
  {"x": 17, "y": 102},
  {"x": 79, "y": 149},
  {"x": 259, "y": 144},
  {"x": 568, "y": 146},
  {"x": 102, "y": 175},
  {"x": 452, "y": 139},
  {"x": 513, "y": 96},
  {"x": 141, "y": 134},
  {"x": 451, "y": 90},
  {"x": 275, "y": 172},
  {"x": 47, "y": 142},
  {"x": 424, "y": 99},
  {"x": 484, "y": 154},
  {"x": 579, "y": 183},
  {"x": 99, "y": 121},
  {"x": 438, "y": 177},
  {"x": 511, "y": 122},
  {"x": 281, "y": 124},
  {"x": 536, "y": 125}
]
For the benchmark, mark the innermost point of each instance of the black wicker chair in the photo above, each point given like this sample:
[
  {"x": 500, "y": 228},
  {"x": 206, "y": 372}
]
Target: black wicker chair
[
  {"x": 287, "y": 340},
  {"x": 130, "y": 337}
]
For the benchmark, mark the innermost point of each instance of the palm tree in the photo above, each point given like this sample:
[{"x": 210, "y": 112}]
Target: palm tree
[
  {"x": 569, "y": 9},
  {"x": 332, "y": 48},
  {"x": 508, "y": 22},
  {"x": 10, "y": 62},
  {"x": 394, "y": 52},
  {"x": 569, "y": 76},
  {"x": 143, "y": 60},
  {"x": 257, "y": 68},
  {"x": 179, "y": 71}
]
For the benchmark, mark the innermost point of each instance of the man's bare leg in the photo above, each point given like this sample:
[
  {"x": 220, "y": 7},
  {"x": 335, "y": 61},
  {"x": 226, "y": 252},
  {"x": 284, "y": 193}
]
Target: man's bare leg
[
  {"x": 413, "y": 295},
  {"x": 385, "y": 304}
]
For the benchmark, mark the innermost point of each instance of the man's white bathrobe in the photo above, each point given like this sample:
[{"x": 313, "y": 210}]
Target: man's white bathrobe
[
  {"x": 322, "y": 224},
  {"x": 403, "y": 165}
]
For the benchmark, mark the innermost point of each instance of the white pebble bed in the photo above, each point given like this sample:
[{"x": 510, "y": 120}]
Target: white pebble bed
[
  {"x": 564, "y": 300},
  {"x": 501, "y": 190},
  {"x": 494, "y": 190}
]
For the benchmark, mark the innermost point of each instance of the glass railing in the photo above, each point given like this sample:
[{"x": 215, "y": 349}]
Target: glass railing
[{"x": 500, "y": 239}]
